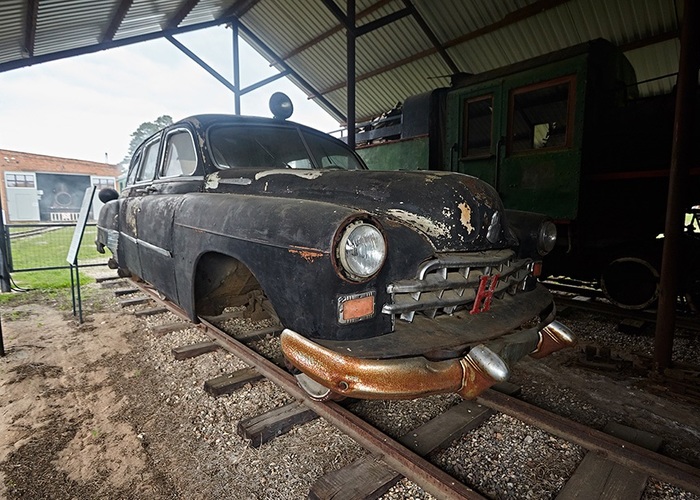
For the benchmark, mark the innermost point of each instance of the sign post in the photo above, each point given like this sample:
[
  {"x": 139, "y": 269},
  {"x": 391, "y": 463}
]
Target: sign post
[{"x": 72, "y": 257}]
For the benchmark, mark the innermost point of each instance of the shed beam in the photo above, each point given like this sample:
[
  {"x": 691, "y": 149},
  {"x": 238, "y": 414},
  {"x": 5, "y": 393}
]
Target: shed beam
[
  {"x": 201, "y": 63},
  {"x": 650, "y": 40},
  {"x": 686, "y": 88},
  {"x": 431, "y": 36},
  {"x": 351, "y": 35},
  {"x": 334, "y": 30},
  {"x": 108, "y": 44},
  {"x": 382, "y": 21},
  {"x": 314, "y": 94},
  {"x": 512, "y": 18},
  {"x": 30, "y": 27},
  {"x": 116, "y": 21},
  {"x": 239, "y": 9},
  {"x": 339, "y": 14},
  {"x": 181, "y": 14}
]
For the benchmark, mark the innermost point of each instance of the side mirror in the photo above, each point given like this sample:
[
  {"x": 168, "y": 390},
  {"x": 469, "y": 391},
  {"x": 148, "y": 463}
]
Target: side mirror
[
  {"x": 281, "y": 106},
  {"x": 107, "y": 194}
]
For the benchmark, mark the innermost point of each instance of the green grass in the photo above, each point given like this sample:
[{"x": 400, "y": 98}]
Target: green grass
[
  {"x": 49, "y": 249},
  {"x": 47, "y": 280}
]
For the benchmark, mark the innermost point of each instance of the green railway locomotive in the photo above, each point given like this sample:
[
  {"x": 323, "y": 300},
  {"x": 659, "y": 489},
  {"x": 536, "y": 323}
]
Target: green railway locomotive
[{"x": 564, "y": 134}]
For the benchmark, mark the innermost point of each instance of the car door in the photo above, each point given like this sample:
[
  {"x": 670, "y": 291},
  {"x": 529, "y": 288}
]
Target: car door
[{"x": 174, "y": 175}]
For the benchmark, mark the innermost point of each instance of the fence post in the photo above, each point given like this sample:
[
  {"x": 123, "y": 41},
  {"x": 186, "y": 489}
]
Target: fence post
[{"x": 4, "y": 271}]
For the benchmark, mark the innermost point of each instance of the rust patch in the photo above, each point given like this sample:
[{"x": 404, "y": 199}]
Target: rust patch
[
  {"x": 308, "y": 254},
  {"x": 466, "y": 217}
]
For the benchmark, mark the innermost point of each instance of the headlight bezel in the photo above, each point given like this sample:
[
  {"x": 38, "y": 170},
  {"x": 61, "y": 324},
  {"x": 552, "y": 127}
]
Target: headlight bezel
[
  {"x": 546, "y": 237},
  {"x": 343, "y": 265}
]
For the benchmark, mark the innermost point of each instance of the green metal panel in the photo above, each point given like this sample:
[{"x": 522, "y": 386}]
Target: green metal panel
[{"x": 409, "y": 154}]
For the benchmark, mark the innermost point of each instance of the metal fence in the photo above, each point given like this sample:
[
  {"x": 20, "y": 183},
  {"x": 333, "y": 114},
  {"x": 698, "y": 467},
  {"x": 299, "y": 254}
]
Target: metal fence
[{"x": 42, "y": 247}]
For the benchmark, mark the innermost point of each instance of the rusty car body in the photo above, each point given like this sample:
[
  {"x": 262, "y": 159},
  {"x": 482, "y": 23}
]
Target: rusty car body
[{"x": 387, "y": 284}]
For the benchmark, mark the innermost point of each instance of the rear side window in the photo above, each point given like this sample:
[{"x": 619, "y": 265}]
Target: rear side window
[
  {"x": 135, "y": 163},
  {"x": 150, "y": 160},
  {"x": 180, "y": 156}
]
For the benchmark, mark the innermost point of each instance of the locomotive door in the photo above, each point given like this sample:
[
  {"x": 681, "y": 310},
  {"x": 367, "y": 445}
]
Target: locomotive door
[
  {"x": 474, "y": 132},
  {"x": 539, "y": 168}
]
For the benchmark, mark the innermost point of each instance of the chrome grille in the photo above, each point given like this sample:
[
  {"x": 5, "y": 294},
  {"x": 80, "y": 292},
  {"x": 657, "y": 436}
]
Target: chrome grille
[{"x": 452, "y": 281}]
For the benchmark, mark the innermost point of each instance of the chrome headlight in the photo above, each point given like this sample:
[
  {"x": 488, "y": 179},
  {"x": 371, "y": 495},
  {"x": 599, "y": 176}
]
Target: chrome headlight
[
  {"x": 361, "y": 250},
  {"x": 547, "y": 237}
]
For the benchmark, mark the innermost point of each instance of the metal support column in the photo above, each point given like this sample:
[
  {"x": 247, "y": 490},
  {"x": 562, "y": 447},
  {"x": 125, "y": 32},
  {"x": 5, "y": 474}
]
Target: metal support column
[
  {"x": 680, "y": 166},
  {"x": 236, "y": 70},
  {"x": 351, "y": 72},
  {"x": 4, "y": 270}
]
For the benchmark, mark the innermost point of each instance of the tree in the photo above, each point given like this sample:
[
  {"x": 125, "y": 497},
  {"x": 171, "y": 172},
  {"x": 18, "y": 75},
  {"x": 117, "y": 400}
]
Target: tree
[{"x": 145, "y": 130}]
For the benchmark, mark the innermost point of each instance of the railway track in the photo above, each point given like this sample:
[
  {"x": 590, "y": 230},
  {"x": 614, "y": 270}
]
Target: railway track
[
  {"x": 586, "y": 299},
  {"x": 406, "y": 456}
]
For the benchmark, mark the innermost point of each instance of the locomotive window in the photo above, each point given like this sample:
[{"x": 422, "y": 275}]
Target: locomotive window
[
  {"x": 478, "y": 120},
  {"x": 540, "y": 116}
]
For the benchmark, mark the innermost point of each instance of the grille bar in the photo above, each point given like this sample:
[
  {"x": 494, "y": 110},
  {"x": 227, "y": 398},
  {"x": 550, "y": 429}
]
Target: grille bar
[{"x": 452, "y": 280}]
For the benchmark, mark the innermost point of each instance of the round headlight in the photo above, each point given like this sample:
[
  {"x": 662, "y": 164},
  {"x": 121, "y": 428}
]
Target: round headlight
[
  {"x": 547, "y": 237},
  {"x": 361, "y": 250}
]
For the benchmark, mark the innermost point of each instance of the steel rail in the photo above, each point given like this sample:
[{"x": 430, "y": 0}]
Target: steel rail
[
  {"x": 429, "y": 477},
  {"x": 395, "y": 455},
  {"x": 610, "y": 447}
]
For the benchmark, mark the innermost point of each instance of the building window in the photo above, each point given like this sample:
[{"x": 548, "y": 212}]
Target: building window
[
  {"x": 540, "y": 116},
  {"x": 478, "y": 126},
  {"x": 103, "y": 182},
  {"x": 19, "y": 180}
]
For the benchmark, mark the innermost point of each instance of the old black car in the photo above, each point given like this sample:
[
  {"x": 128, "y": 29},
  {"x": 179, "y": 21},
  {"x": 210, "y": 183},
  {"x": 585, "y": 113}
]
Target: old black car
[{"x": 388, "y": 284}]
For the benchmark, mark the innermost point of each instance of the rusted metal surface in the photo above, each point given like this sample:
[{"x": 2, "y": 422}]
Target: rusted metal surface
[
  {"x": 407, "y": 378},
  {"x": 617, "y": 450}
]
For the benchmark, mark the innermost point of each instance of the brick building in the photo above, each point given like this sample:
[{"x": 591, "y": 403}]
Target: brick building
[{"x": 38, "y": 188}]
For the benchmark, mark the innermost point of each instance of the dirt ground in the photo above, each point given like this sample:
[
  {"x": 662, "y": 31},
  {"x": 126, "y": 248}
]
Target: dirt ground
[{"x": 75, "y": 399}]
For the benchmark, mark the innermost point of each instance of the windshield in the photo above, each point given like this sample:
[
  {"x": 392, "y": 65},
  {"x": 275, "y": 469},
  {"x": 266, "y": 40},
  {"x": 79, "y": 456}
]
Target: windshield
[{"x": 258, "y": 146}]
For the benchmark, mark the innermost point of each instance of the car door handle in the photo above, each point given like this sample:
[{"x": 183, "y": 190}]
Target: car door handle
[{"x": 152, "y": 189}]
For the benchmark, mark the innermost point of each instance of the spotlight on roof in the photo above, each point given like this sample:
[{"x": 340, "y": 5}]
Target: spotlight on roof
[{"x": 281, "y": 106}]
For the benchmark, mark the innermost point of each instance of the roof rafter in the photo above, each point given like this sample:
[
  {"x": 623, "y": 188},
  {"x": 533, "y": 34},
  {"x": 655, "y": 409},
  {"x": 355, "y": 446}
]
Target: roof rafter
[
  {"x": 516, "y": 16},
  {"x": 181, "y": 14},
  {"x": 431, "y": 36},
  {"x": 30, "y": 27},
  {"x": 239, "y": 9},
  {"x": 116, "y": 21},
  {"x": 334, "y": 30}
]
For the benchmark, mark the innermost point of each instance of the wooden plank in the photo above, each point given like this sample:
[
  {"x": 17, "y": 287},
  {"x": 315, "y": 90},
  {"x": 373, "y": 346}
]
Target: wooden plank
[
  {"x": 226, "y": 384},
  {"x": 125, "y": 291},
  {"x": 597, "y": 477},
  {"x": 171, "y": 327},
  {"x": 258, "y": 334},
  {"x": 150, "y": 312},
  {"x": 263, "y": 428},
  {"x": 134, "y": 302},
  {"x": 365, "y": 478},
  {"x": 190, "y": 351},
  {"x": 103, "y": 279},
  {"x": 368, "y": 478}
]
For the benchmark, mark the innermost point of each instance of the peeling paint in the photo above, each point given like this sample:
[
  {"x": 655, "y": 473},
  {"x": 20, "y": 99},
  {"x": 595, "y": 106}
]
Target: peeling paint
[
  {"x": 466, "y": 218},
  {"x": 304, "y": 174},
  {"x": 308, "y": 254},
  {"x": 421, "y": 223},
  {"x": 212, "y": 181},
  {"x": 239, "y": 181}
]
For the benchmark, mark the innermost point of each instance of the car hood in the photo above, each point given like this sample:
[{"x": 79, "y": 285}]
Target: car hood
[{"x": 455, "y": 212}]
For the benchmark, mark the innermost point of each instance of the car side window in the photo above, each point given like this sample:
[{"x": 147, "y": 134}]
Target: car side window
[
  {"x": 180, "y": 155},
  {"x": 135, "y": 163},
  {"x": 150, "y": 160}
]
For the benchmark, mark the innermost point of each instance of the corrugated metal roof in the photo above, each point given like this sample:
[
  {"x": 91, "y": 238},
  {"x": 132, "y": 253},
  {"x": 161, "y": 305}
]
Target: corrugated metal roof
[{"x": 410, "y": 55}]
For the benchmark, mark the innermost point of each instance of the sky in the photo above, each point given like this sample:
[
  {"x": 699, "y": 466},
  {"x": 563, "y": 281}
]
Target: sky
[{"x": 87, "y": 107}]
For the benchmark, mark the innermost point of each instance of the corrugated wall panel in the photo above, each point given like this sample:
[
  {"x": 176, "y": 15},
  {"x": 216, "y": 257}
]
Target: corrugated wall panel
[{"x": 11, "y": 34}]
